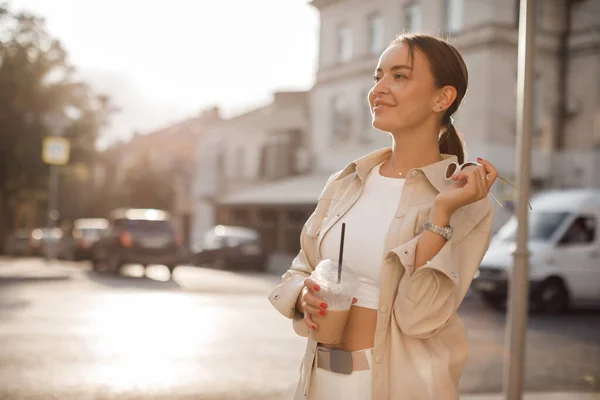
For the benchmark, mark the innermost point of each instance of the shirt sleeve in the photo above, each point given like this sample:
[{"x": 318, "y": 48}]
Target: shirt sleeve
[
  {"x": 285, "y": 295},
  {"x": 429, "y": 296}
]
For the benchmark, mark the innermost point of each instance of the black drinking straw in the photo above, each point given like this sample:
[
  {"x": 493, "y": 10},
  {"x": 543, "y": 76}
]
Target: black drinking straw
[{"x": 341, "y": 252}]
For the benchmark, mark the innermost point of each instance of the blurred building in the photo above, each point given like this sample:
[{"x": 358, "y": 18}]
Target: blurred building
[
  {"x": 251, "y": 171},
  {"x": 245, "y": 168},
  {"x": 567, "y": 83},
  {"x": 170, "y": 152}
]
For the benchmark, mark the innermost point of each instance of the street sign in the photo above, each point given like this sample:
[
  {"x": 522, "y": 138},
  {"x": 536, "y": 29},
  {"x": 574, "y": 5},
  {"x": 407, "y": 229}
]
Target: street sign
[{"x": 56, "y": 150}]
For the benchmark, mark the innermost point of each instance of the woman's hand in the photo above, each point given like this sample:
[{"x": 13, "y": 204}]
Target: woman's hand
[
  {"x": 470, "y": 185},
  {"x": 309, "y": 303}
]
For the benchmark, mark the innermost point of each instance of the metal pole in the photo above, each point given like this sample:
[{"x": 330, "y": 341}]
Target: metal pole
[
  {"x": 52, "y": 210},
  {"x": 519, "y": 284}
]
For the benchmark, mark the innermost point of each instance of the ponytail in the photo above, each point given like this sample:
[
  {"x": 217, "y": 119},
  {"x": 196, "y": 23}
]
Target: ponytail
[{"x": 451, "y": 142}]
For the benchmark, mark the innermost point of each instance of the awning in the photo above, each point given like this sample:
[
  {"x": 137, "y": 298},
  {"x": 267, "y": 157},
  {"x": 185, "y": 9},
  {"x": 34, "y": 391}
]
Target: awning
[{"x": 301, "y": 190}]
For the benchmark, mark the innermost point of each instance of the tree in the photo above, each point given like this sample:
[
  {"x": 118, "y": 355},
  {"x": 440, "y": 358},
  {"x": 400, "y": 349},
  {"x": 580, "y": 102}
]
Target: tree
[{"x": 39, "y": 96}]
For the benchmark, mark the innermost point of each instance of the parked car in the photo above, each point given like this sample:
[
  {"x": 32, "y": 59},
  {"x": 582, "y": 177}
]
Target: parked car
[
  {"x": 18, "y": 243},
  {"x": 77, "y": 245},
  {"x": 232, "y": 247},
  {"x": 564, "y": 242},
  {"x": 137, "y": 236},
  {"x": 45, "y": 241}
]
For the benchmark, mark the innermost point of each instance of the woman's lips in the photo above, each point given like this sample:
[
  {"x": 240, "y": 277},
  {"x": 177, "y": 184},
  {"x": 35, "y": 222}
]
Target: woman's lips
[{"x": 380, "y": 107}]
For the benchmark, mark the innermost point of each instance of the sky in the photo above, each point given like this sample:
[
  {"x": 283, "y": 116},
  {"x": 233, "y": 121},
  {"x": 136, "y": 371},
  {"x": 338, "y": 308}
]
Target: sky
[{"x": 163, "y": 62}]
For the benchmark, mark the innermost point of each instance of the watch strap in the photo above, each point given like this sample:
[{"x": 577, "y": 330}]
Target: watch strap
[{"x": 445, "y": 232}]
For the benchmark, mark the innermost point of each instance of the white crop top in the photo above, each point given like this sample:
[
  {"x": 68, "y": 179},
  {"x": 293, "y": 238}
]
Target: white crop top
[{"x": 367, "y": 225}]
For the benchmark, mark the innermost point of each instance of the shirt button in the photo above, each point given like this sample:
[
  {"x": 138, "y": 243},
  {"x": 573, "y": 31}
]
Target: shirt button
[
  {"x": 400, "y": 215},
  {"x": 378, "y": 359},
  {"x": 383, "y": 309},
  {"x": 276, "y": 297}
]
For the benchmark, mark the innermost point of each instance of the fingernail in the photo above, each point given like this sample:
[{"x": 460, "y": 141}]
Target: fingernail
[
  {"x": 479, "y": 159},
  {"x": 316, "y": 287},
  {"x": 322, "y": 312},
  {"x": 323, "y": 305},
  {"x": 314, "y": 327}
]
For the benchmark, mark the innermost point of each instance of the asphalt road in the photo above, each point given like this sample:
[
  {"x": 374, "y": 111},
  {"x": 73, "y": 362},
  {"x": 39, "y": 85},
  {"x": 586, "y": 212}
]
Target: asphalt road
[{"x": 68, "y": 333}]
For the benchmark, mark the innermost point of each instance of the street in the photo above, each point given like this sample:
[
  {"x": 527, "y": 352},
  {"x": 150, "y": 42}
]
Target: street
[{"x": 208, "y": 334}]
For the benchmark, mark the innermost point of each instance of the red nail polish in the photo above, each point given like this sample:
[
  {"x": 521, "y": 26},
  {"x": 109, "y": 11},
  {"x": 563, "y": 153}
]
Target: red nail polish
[
  {"x": 479, "y": 159},
  {"x": 316, "y": 287},
  {"x": 323, "y": 305},
  {"x": 314, "y": 327},
  {"x": 322, "y": 312}
]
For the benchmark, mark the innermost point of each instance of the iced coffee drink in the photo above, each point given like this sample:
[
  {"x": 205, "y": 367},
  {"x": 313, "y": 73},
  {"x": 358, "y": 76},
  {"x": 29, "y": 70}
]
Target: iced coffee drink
[{"x": 338, "y": 294}]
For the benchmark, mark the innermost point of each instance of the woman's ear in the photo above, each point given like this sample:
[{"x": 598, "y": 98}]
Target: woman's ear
[{"x": 446, "y": 97}]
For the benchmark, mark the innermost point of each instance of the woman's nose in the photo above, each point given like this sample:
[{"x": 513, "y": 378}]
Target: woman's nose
[{"x": 380, "y": 87}]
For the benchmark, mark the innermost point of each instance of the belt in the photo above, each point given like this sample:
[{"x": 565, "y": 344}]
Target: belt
[{"x": 342, "y": 361}]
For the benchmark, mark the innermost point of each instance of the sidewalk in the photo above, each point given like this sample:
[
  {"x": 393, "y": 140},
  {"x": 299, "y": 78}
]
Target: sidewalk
[
  {"x": 31, "y": 269},
  {"x": 535, "y": 396}
]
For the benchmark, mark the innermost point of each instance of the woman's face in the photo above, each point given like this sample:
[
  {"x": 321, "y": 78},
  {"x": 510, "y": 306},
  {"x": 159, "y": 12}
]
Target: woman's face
[{"x": 405, "y": 95}]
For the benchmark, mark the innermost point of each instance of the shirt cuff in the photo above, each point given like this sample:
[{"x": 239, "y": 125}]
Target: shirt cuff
[
  {"x": 441, "y": 262},
  {"x": 285, "y": 296}
]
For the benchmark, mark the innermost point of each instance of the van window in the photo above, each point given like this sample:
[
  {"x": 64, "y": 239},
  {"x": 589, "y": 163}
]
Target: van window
[
  {"x": 541, "y": 226},
  {"x": 581, "y": 231}
]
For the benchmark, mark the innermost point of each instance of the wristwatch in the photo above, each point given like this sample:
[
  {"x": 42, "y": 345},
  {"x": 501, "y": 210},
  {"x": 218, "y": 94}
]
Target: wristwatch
[{"x": 445, "y": 232}]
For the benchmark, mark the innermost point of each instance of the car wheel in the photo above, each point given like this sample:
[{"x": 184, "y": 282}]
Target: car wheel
[
  {"x": 494, "y": 300},
  {"x": 114, "y": 264},
  {"x": 220, "y": 263},
  {"x": 553, "y": 297},
  {"x": 171, "y": 269}
]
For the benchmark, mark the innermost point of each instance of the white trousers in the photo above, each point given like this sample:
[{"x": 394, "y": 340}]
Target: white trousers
[{"x": 327, "y": 385}]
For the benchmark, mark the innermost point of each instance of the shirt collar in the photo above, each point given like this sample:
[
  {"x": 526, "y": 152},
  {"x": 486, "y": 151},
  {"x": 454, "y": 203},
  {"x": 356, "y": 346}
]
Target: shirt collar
[{"x": 434, "y": 172}]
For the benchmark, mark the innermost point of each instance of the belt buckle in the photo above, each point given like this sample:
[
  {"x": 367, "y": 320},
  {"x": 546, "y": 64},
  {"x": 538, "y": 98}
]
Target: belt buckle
[{"x": 340, "y": 361}]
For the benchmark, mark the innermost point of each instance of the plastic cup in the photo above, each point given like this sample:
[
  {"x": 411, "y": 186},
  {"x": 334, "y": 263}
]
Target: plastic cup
[{"x": 338, "y": 297}]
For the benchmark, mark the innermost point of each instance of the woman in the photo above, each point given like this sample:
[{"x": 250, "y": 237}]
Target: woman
[{"x": 417, "y": 230}]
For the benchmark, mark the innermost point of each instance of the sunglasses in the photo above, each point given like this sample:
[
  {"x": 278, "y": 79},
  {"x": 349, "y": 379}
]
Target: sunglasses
[{"x": 454, "y": 168}]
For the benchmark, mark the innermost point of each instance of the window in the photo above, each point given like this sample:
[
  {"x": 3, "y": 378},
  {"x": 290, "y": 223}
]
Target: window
[
  {"x": 366, "y": 131},
  {"x": 454, "y": 15},
  {"x": 376, "y": 34},
  {"x": 412, "y": 15},
  {"x": 240, "y": 163},
  {"x": 537, "y": 105},
  {"x": 541, "y": 226},
  {"x": 262, "y": 165},
  {"x": 340, "y": 120},
  {"x": 581, "y": 231},
  {"x": 344, "y": 43}
]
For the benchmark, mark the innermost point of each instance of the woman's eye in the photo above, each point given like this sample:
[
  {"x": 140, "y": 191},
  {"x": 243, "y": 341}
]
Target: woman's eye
[
  {"x": 376, "y": 78},
  {"x": 400, "y": 76}
]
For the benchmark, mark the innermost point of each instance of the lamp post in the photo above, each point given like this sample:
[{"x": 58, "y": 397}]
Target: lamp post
[
  {"x": 519, "y": 283},
  {"x": 55, "y": 152}
]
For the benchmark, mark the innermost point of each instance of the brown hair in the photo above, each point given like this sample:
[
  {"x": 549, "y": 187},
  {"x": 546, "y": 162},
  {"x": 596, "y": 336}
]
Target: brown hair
[{"x": 448, "y": 69}]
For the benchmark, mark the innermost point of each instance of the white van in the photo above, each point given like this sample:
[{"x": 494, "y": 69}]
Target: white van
[{"x": 564, "y": 246}]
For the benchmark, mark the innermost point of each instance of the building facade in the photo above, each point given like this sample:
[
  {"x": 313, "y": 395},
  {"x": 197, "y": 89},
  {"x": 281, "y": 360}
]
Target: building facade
[
  {"x": 242, "y": 175},
  {"x": 170, "y": 153},
  {"x": 241, "y": 164}
]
